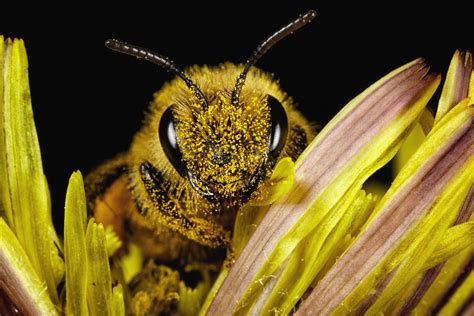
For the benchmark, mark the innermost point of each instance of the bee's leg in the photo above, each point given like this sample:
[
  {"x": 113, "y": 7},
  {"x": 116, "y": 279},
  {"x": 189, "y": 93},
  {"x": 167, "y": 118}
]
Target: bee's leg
[
  {"x": 172, "y": 215},
  {"x": 155, "y": 290},
  {"x": 107, "y": 194}
]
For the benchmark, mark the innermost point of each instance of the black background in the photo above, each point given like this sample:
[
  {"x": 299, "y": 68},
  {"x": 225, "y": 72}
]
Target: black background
[{"x": 89, "y": 101}]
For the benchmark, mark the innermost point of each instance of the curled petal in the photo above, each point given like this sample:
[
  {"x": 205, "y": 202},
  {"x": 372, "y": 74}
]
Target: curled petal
[
  {"x": 411, "y": 220},
  {"x": 456, "y": 86},
  {"x": 359, "y": 140},
  {"x": 21, "y": 290}
]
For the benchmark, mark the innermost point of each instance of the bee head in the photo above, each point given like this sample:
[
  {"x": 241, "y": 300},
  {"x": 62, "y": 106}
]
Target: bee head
[{"x": 222, "y": 149}]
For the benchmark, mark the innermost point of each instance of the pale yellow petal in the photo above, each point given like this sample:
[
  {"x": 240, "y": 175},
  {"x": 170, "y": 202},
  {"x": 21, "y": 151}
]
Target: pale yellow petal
[
  {"x": 319, "y": 249},
  {"x": 460, "y": 297},
  {"x": 405, "y": 225},
  {"x": 24, "y": 193},
  {"x": 118, "y": 305},
  {"x": 75, "y": 251},
  {"x": 456, "y": 85},
  {"x": 456, "y": 239},
  {"x": 99, "y": 280},
  {"x": 443, "y": 281},
  {"x": 408, "y": 148},
  {"x": 280, "y": 182},
  {"x": 113, "y": 241},
  {"x": 19, "y": 280},
  {"x": 131, "y": 262}
]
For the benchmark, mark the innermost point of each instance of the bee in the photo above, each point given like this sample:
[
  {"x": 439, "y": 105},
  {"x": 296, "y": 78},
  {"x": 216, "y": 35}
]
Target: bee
[{"x": 209, "y": 142}]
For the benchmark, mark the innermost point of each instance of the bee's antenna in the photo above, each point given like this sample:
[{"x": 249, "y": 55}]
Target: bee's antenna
[
  {"x": 163, "y": 62},
  {"x": 264, "y": 46}
]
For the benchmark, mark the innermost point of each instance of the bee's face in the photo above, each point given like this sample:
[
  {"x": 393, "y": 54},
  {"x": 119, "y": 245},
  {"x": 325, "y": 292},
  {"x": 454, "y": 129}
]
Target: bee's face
[{"x": 225, "y": 150}]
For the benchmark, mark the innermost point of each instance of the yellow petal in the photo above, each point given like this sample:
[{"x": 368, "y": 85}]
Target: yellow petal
[
  {"x": 280, "y": 182},
  {"x": 19, "y": 280},
  {"x": 131, "y": 262},
  {"x": 471, "y": 87},
  {"x": 191, "y": 299},
  {"x": 426, "y": 121},
  {"x": 456, "y": 239},
  {"x": 5, "y": 207},
  {"x": 405, "y": 225},
  {"x": 444, "y": 277},
  {"x": 456, "y": 85},
  {"x": 75, "y": 251},
  {"x": 99, "y": 281},
  {"x": 444, "y": 281},
  {"x": 24, "y": 194},
  {"x": 213, "y": 291},
  {"x": 319, "y": 249},
  {"x": 247, "y": 220},
  {"x": 424, "y": 239},
  {"x": 113, "y": 241},
  {"x": 460, "y": 297},
  {"x": 408, "y": 148},
  {"x": 118, "y": 305}
]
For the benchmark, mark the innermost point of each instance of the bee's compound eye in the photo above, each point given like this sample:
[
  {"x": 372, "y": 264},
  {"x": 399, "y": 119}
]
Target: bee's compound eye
[
  {"x": 169, "y": 143},
  {"x": 279, "y": 126}
]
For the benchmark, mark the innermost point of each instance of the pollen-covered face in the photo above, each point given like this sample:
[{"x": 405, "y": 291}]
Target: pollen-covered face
[
  {"x": 224, "y": 147},
  {"x": 226, "y": 150}
]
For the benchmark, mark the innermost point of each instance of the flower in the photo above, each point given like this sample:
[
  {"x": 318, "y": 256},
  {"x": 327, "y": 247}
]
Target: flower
[
  {"x": 30, "y": 245},
  {"x": 314, "y": 248},
  {"x": 31, "y": 255},
  {"x": 317, "y": 244}
]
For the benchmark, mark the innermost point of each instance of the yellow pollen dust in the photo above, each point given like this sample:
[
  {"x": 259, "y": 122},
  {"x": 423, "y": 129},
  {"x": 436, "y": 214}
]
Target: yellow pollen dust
[{"x": 224, "y": 144}]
